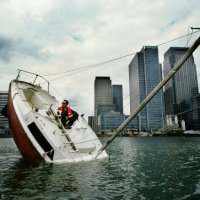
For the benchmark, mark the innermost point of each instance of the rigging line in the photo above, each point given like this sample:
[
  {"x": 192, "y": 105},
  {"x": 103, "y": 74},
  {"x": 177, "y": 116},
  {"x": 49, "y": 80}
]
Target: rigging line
[
  {"x": 175, "y": 114},
  {"x": 94, "y": 66},
  {"x": 56, "y": 90},
  {"x": 188, "y": 38},
  {"x": 129, "y": 94},
  {"x": 123, "y": 98},
  {"x": 131, "y": 101},
  {"x": 112, "y": 60},
  {"x": 138, "y": 95},
  {"x": 54, "y": 74},
  {"x": 177, "y": 38},
  {"x": 168, "y": 117}
]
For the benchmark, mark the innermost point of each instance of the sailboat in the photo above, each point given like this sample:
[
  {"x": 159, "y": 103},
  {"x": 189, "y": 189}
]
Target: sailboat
[
  {"x": 40, "y": 135},
  {"x": 38, "y": 131}
]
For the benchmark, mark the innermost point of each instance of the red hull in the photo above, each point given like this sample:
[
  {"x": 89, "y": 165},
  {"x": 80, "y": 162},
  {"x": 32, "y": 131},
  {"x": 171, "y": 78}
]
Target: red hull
[{"x": 26, "y": 148}]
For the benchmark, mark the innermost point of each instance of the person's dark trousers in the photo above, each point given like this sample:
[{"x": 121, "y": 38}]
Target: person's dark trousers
[
  {"x": 73, "y": 118},
  {"x": 63, "y": 118}
]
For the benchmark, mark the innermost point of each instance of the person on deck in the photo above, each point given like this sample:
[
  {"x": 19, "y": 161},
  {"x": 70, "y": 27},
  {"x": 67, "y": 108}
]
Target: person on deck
[{"x": 68, "y": 116}]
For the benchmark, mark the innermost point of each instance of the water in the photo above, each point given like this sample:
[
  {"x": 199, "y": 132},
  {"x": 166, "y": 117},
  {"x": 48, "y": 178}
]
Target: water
[{"x": 138, "y": 168}]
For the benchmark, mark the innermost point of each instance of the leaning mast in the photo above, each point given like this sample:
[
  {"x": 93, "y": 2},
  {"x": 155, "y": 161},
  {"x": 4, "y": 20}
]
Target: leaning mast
[{"x": 152, "y": 94}]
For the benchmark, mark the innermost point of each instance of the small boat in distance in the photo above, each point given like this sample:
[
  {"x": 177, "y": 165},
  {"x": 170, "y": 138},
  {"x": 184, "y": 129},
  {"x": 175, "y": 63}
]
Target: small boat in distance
[{"x": 39, "y": 133}]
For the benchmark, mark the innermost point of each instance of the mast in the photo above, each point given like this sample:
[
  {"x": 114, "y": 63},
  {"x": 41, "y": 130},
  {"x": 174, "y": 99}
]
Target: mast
[{"x": 152, "y": 94}]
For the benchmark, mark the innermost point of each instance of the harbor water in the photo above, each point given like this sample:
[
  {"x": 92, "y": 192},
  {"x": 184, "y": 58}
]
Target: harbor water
[{"x": 138, "y": 168}]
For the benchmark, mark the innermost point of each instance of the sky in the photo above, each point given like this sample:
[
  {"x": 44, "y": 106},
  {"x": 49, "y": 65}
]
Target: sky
[{"x": 55, "y": 36}]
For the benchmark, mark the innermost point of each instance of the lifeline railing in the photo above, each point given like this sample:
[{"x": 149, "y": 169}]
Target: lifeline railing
[{"x": 36, "y": 76}]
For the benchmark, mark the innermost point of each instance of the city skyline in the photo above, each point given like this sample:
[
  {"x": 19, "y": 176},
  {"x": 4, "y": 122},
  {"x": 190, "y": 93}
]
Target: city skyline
[
  {"x": 145, "y": 72},
  {"x": 108, "y": 101},
  {"x": 175, "y": 53},
  {"x": 57, "y": 36}
]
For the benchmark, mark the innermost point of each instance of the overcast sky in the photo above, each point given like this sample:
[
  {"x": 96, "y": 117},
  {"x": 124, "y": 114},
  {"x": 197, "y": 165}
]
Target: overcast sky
[{"x": 52, "y": 36}]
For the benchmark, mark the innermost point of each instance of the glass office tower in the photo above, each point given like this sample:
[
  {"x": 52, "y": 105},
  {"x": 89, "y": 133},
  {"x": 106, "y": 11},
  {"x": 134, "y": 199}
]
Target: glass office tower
[
  {"x": 184, "y": 83},
  {"x": 181, "y": 90},
  {"x": 118, "y": 98},
  {"x": 102, "y": 91},
  {"x": 144, "y": 75},
  {"x": 102, "y": 97}
]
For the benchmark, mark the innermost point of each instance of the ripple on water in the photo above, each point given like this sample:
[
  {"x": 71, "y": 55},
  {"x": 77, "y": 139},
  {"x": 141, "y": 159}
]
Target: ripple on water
[{"x": 138, "y": 168}]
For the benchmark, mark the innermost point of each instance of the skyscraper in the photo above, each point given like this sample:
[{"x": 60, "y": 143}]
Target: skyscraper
[
  {"x": 91, "y": 121},
  {"x": 144, "y": 76},
  {"x": 181, "y": 89},
  {"x": 184, "y": 83},
  {"x": 102, "y": 97},
  {"x": 3, "y": 102},
  {"x": 118, "y": 98},
  {"x": 102, "y": 91}
]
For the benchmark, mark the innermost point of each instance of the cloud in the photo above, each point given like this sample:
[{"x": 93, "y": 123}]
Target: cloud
[
  {"x": 5, "y": 49},
  {"x": 55, "y": 36},
  {"x": 77, "y": 38},
  {"x": 10, "y": 48},
  {"x": 37, "y": 8}
]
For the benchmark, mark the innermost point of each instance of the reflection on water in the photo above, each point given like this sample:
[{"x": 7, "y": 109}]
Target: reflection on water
[{"x": 138, "y": 168}]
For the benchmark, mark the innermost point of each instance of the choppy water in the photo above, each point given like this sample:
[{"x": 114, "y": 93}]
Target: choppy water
[{"x": 138, "y": 168}]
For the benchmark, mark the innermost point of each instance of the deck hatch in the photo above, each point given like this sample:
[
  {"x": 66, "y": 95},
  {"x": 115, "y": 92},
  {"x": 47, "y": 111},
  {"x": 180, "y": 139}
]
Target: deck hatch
[{"x": 41, "y": 140}]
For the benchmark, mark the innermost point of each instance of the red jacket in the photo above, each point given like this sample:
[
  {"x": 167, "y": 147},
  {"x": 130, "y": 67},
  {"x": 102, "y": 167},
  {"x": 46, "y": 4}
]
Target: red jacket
[{"x": 69, "y": 111}]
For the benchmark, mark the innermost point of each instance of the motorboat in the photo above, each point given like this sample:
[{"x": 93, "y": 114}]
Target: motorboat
[{"x": 37, "y": 129}]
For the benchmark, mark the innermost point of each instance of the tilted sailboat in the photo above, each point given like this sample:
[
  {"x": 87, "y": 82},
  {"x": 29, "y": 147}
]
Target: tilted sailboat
[{"x": 38, "y": 132}]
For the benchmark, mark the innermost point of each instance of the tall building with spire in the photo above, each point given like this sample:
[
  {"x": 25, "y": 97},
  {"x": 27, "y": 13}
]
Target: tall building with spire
[{"x": 144, "y": 75}]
